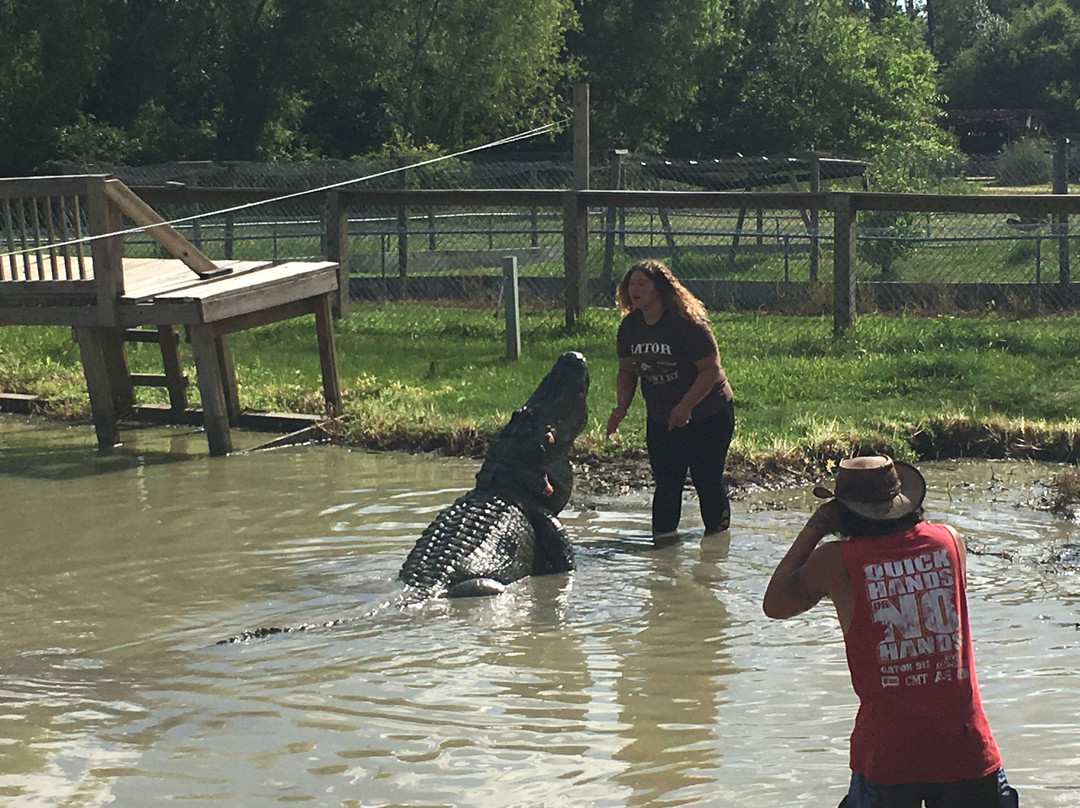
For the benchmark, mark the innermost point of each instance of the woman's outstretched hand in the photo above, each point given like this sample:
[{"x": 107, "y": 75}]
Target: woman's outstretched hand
[{"x": 615, "y": 419}]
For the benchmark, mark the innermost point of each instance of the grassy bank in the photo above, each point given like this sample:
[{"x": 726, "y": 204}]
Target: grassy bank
[{"x": 425, "y": 377}]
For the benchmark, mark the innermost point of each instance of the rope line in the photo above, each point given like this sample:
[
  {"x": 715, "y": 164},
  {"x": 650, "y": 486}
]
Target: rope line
[{"x": 284, "y": 197}]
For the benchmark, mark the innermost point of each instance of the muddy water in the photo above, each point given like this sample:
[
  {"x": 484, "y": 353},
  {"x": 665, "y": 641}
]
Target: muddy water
[{"x": 647, "y": 677}]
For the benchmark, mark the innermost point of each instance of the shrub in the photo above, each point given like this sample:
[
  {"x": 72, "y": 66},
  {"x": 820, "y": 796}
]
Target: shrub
[{"x": 1026, "y": 161}]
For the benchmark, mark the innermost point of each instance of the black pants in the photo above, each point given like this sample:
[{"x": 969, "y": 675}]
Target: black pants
[
  {"x": 991, "y": 791},
  {"x": 701, "y": 448}
]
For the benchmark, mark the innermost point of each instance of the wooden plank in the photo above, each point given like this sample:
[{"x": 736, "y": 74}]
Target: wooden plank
[
  {"x": 116, "y": 365},
  {"x": 337, "y": 248},
  {"x": 266, "y": 316},
  {"x": 50, "y": 237},
  {"x": 176, "y": 381},
  {"x": 148, "y": 277},
  {"x": 233, "y": 296},
  {"x": 266, "y": 297},
  {"x": 77, "y": 214},
  {"x": 34, "y": 226},
  {"x": 145, "y": 277},
  {"x": 266, "y": 276},
  {"x": 64, "y": 185},
  {"x": 24, "y": 240},
  {"x": 142, "y": 335},
  {"x": 159, "y": 230},
  {"x": 64, "y": 235},
  {"x": 575, "y": 255},
  {"x": 57, "y": 289},
  {"x": 844, "y": 263},
  {"x": 8, "y": 269},
  {"x": 22, "y": 403},
  {"x": 149, "y": 380}
]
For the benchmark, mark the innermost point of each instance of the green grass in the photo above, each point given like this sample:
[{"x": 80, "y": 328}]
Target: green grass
[{"x": 417, "y": 375}]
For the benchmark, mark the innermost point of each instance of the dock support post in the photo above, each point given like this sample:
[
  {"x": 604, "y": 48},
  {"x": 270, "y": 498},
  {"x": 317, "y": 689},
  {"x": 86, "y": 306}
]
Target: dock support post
[
  {"x": 102, "y": 404},
  {"x": 211, "y": 389},
  {"x": 324, "y": 329}
]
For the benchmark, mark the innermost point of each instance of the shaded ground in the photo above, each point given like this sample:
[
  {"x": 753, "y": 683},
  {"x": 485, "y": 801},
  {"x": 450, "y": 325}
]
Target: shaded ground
[{"x": 594, "y": 474}]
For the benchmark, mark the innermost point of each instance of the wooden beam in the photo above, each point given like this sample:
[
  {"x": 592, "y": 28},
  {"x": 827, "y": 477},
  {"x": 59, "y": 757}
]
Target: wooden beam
[
  {"x": 211, "y": 390},
  {"x": 159, "y": 230},
  {"x": 324, "y": 329},
  {"x": 102, "y": 408}
]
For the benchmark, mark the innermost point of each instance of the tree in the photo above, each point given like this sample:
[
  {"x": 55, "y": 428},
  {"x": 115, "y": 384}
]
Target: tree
[
  {"x": 50, "y": 52},
  {"x": 1034, "y": 63},
  {"x": 813, "y": 76},
  {"x": 451, "y": 72},
  {"x": 646, "y": 62},
  {"x": 953, "y": 25},
  {"x": 157, "y": 103}
]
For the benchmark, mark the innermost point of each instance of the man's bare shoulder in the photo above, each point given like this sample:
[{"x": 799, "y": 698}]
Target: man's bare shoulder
[
  {"x": 825, "y": 570},
  {"x": 828, "y": 553}
]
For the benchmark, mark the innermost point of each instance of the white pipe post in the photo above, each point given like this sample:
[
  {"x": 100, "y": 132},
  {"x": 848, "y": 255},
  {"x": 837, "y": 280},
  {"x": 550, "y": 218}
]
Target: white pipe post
[{"x": 510, "y": 298}]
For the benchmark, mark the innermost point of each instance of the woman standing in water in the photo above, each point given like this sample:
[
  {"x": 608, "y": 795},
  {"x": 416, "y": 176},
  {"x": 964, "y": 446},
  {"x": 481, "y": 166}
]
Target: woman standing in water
[{"x": 665, "y": 341}]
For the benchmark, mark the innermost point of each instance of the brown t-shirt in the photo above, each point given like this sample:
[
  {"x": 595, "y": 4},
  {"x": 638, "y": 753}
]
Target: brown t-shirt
[{"x": 664, "y": 354}]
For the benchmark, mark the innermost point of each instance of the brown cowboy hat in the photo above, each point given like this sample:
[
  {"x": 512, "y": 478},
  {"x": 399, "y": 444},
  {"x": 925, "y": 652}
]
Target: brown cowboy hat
[{"x": 877, "y": 487}]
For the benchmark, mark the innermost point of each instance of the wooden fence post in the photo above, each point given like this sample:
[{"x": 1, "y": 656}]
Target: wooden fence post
[
  {"x": 611, "y": 219},
  {"x": 576, "y": 215},
  {"x": 815, "y": 217},
  {"x": 402, "y": 237},
  {"x": 575, "y": 255},
  {"x": 1061, "y": 220},
  {"x": 337, "y": 249},
  {"x": 843, "y": 210}
]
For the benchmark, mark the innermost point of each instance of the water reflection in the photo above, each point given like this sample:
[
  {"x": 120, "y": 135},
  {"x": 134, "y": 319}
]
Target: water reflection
[{"x": 647, "y": 677}]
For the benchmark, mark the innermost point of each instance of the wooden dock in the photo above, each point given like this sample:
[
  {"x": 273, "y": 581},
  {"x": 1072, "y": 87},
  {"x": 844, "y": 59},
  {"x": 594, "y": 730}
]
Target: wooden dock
[{"x": 63, "y": 264}]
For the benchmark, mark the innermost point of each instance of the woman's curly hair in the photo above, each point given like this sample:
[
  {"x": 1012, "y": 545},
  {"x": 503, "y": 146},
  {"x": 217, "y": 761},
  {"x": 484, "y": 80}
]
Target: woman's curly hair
[{"x": 675, "y": 297}]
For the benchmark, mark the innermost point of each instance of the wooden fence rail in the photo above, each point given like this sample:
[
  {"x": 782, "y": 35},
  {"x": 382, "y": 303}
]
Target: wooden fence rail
[{"x": 339, "y": 205}]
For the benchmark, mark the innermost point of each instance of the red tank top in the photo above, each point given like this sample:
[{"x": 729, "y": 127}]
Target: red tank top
[{"x": 909, "y": 651}]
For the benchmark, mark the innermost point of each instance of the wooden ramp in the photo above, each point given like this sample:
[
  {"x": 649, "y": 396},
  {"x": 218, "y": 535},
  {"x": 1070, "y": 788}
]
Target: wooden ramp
[{"x": 63, "y": 263}]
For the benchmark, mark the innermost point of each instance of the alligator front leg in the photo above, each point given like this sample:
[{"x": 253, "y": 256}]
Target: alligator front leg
[{"x": 553, "y": 552}]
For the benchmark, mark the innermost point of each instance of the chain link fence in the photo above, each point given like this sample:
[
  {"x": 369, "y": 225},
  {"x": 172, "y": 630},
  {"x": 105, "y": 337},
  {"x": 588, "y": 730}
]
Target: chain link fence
[{"x": 766, "y": 251}]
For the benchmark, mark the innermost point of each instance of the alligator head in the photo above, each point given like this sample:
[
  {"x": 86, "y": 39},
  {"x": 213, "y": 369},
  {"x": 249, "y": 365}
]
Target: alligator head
[{"x": 529, "y": 457}]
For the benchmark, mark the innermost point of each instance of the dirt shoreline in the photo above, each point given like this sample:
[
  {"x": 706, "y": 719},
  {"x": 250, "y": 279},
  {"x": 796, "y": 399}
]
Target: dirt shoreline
[
  {"x": 629, "y": 472},
  {"x": 594, "y": 474}
]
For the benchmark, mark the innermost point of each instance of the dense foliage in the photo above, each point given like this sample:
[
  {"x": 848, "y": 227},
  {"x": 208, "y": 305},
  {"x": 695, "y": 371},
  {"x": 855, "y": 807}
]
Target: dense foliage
[{"x": 144, "y": 81}]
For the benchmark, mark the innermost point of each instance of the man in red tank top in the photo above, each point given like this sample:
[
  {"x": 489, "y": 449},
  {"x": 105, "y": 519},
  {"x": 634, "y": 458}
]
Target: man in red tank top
[{"x": 898, "y": 586}]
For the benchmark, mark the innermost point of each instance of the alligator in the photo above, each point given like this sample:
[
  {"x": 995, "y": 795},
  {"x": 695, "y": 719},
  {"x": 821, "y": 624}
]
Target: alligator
[{"x": 506, "y": 528}]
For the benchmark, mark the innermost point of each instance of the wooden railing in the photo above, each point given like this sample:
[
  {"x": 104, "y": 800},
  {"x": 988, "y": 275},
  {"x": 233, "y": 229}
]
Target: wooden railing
[{"x": 62, "y": 262}]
